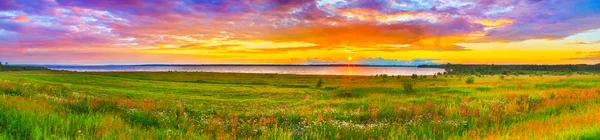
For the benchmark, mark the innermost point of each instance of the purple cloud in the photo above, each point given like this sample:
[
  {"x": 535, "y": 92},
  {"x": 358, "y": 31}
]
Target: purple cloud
[{"x": 9, "y": 5}]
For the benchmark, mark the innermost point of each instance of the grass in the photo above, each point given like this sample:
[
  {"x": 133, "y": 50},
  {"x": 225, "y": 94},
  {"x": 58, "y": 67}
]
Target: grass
[{"x": 196, "y": 105}]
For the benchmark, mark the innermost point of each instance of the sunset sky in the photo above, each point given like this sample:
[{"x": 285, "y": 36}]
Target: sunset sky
[{"x": 299, "y": 31}]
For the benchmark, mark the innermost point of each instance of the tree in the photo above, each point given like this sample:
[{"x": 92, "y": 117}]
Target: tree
[
  {"x": 470, "y": 80},
  {"x": 0, "y": 63},
  {"x": 414, "y": 76},
  {"x": 319, "y": 83}
]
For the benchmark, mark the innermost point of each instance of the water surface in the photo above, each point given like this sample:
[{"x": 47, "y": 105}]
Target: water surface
[{"x": 300, "y": 70}]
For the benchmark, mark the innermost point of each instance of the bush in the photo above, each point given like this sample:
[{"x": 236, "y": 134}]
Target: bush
[
  {"x": 470, "y": 80},
  {"x": 345, "y": 93},
  {"x": 143, "y": 118},
  {"x": 408, "y": 87},
  {"x": 11, "y": 91},
  {"x": 414, "y": 76},
  {"x": 319, "y": 83}
]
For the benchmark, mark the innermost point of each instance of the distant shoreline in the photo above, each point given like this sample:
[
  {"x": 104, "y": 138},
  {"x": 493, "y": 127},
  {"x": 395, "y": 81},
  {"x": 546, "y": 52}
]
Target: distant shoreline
[
  {"x": 185, "y": 65},
  {"x": 279, "y": 69}
]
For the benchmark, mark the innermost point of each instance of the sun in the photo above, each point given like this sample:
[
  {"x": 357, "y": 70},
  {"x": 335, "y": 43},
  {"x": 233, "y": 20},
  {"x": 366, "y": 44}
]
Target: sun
[{"x": 349, "y": 58}]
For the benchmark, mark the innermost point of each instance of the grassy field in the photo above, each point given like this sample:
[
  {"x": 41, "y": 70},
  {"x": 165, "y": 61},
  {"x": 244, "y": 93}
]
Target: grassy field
[{"x": 186, "y": 105}]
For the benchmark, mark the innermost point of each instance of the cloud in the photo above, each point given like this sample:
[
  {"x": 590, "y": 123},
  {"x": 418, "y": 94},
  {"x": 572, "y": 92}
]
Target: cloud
[
  {"x": 21, "y": 19},
  {"x": 238, "y": 46},
  {"x": 583, "y": 43},
  {"x": 587, "y": 56},
  {"x": 546, "y": 20},
  {"x": 365, "y": 25},
  {"x": 8, "y": 5},
  {"x": 369, "y": 34},
  {"x": 359, "y": 23}
]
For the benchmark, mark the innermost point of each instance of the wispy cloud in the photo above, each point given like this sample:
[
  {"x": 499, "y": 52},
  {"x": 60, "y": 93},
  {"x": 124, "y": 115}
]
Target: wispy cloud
[
  {"x": 594, "y": 56},
  {"x": 583, "y": 43}
]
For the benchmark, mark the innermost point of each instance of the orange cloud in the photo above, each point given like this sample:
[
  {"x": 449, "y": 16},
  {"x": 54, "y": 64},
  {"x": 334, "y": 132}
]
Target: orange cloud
[
  {"x": 495, "y": 23},
  {"x": 21, "y": 18},
  {"x": 377, "y": 16},
  {"x": 371, "y": 35},
  {"x": 584, "y": 43},
  {"x": 233, "y": 46}
]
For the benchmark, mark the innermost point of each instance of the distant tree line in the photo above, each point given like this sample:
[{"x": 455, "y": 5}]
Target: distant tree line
[
  {"x": 7, "y": 67},
  {"x": 460, "y": 69}
]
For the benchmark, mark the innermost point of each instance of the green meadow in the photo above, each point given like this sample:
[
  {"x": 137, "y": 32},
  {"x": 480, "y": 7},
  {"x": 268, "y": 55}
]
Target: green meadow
[{"x": 195, "y": 105}]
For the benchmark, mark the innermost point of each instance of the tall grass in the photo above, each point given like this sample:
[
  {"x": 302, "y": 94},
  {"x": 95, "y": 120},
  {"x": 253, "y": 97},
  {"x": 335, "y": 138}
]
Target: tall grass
[{"x": 67, "y": 106}]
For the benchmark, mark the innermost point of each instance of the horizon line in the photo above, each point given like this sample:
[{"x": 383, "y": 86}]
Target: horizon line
[{"x": 390, "y": 65}]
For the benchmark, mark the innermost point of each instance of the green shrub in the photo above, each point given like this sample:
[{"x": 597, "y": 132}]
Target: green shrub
[
  {"x": 143, "y": 118},
  {"x": 11, "y": 91},
  {"x": 408, "y": 87},
  {"x": 414, "y": 76},
  {"x": 331, "y": 87},
  {"x": 344, "y": 93},
  {"x": 319, "y": 83},
  {"x": 470, "y": 80}
]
